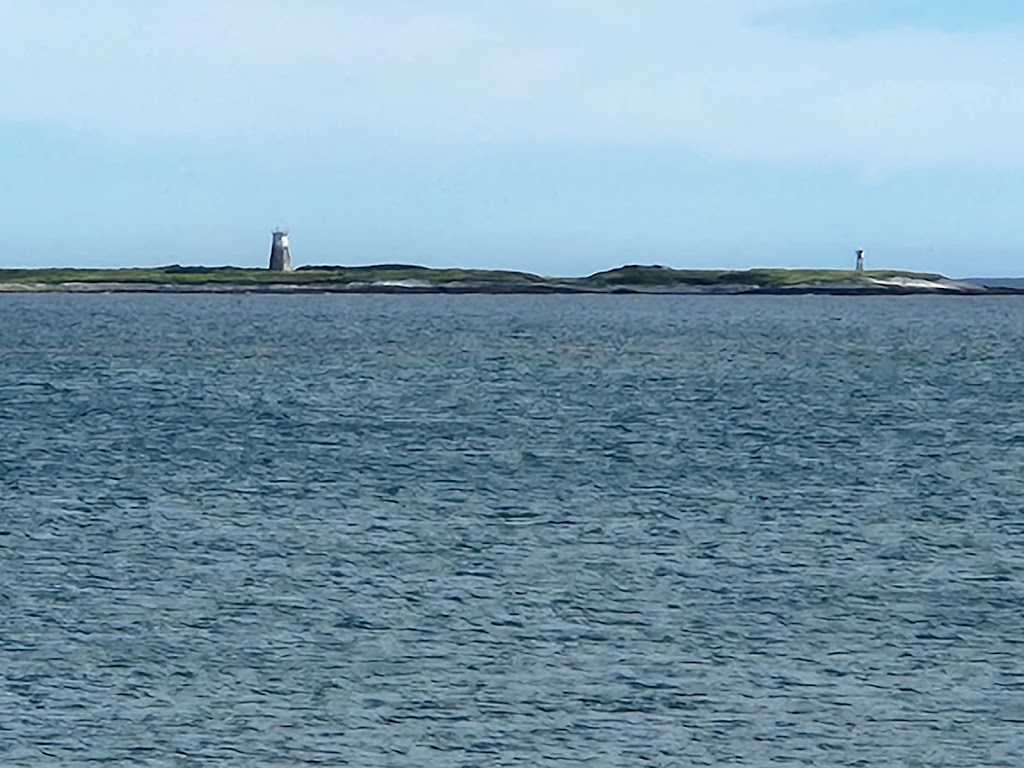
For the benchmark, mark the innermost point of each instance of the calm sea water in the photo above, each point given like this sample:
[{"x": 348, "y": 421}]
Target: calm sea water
[{"x": 511, "y": 531}]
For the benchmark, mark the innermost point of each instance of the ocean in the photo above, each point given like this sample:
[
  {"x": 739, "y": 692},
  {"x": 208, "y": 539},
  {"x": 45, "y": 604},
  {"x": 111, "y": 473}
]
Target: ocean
[{"x": 434, "y": 530}]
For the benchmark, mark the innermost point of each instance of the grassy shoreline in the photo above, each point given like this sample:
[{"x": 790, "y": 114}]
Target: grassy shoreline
[{"x": 410, "y": 276}]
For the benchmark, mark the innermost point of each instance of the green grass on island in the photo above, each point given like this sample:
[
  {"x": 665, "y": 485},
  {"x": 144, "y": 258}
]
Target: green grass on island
[
  {"x": 178, "y": 275},
  {"x": 630, "y": 276},
  {"x": 656, "y": 276}
]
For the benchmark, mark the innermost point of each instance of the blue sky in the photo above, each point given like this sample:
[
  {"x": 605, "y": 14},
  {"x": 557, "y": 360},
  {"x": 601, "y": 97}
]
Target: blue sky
[{"x": 558, "y": 136}]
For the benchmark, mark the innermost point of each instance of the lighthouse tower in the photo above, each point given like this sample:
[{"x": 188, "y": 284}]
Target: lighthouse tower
[
  {"x": 860, "y": 260},
  {"x": 280, "y": 256}
]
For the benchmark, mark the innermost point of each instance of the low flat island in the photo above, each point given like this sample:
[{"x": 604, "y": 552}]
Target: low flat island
[{"x": 402, "y": 278}]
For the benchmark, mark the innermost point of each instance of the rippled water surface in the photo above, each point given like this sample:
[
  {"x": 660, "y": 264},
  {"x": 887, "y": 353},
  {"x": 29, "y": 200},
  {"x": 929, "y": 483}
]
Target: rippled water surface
[{"x": 511, "y": 531}]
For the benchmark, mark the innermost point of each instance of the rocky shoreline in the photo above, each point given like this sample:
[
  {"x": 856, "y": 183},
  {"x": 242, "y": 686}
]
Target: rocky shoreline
[
  {"x": 404, "y": 279},
  {"x": 950, "y": 288}
]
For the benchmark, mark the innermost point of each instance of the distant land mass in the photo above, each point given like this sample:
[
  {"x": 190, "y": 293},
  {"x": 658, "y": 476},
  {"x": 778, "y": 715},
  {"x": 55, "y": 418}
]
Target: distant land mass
[
  {"x": 997, "y": 282},
  {"x": 404, "y": 278}
]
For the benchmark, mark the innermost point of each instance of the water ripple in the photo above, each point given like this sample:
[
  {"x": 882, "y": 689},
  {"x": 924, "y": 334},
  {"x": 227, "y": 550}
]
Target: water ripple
[{"x": 465, "y": 531}]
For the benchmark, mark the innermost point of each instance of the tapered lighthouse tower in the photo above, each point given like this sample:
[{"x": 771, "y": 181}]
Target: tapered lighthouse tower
[{"x": 280, "y": 256}]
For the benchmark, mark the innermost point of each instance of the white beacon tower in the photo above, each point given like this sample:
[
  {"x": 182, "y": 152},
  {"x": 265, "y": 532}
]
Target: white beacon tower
[
  {"x": 280, "y": 256},
  {"x": 860, "y": 260}
]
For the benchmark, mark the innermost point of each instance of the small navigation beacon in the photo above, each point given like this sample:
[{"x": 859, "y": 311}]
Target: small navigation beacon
[
  {"x": 280, "y": 256},
  {"x": 860, "y": 260}
]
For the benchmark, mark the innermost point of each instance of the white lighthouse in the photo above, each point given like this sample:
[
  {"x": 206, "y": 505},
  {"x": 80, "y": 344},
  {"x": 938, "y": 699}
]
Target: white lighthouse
[
  {"x": 860, "y": 260},
  {"x": 280, "y": 256}
]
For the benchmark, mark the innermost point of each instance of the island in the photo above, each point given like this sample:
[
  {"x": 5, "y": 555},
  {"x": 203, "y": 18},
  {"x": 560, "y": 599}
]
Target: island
[{"x": 404, "y": 278}]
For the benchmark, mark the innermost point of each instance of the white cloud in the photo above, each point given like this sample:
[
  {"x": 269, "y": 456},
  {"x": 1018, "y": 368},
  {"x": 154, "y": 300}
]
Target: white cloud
[{"x": 709, "y": 77}]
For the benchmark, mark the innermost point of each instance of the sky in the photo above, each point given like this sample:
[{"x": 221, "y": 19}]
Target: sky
[{"x": 556, "y": 136}]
